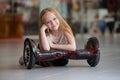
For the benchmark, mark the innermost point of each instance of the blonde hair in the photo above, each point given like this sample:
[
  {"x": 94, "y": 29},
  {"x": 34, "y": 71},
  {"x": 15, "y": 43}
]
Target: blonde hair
[{"x": 63, "y": 24}]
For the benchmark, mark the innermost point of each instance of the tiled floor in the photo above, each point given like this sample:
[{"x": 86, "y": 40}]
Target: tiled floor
[{"x": 107, "y": 69}]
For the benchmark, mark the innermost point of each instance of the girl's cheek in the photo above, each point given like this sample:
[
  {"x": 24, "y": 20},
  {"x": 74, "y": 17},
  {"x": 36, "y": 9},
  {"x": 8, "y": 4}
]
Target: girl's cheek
[
  {"x": 58, "y": 21},
  {"x": 49, "y": 26}
]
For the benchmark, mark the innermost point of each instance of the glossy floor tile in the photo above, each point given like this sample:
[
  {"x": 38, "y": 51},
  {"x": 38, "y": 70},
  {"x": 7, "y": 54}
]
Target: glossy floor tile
[{"x": 107, "y": 69}]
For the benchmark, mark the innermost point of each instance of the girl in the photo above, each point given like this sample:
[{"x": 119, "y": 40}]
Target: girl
[{"x": 54, "y": 32}]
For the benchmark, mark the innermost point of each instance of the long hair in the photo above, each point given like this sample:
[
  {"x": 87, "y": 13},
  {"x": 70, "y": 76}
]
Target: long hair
[{"x": 63, "y": 24}]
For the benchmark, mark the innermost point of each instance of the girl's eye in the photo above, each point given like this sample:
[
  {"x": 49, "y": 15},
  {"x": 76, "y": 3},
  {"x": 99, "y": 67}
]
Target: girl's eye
[{"x": 54, "y": 18}]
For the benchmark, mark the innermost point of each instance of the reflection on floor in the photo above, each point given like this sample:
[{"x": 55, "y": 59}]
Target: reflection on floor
[{"x": 107, "y": 69}]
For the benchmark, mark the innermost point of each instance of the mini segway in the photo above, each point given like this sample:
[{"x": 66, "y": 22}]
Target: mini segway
[{"x": 32, "y": 54}]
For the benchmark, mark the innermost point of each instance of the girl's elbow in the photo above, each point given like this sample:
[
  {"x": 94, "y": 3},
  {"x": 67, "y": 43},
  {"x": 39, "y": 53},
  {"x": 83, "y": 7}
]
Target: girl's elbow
[
  {"x": 46, "y": 49},
  {"x": 73, "y": 48}
]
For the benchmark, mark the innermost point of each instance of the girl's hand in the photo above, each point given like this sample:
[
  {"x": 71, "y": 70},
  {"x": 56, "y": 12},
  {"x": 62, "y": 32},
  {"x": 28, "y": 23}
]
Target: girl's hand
[
  {"x": 44, "y": 27},
  {"x": 43, "y": 38}
]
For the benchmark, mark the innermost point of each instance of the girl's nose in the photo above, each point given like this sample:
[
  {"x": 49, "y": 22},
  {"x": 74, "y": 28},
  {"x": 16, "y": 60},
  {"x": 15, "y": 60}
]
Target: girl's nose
[{"x": 52, "y": 22}]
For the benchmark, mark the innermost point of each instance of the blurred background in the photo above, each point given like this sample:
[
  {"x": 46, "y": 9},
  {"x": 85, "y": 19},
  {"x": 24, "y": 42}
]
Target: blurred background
[
  {"x": 19, "y": 18},
  {"x": 100, "y": 18}
]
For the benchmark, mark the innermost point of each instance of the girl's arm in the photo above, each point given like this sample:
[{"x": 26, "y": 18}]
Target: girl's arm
[
  {"x": 71, "y": 45},
  {"x": 43, "y": 38}
]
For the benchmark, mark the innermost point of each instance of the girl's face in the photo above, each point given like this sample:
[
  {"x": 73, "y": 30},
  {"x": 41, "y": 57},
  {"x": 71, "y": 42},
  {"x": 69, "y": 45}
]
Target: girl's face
[{"x": 51, "y": 21}]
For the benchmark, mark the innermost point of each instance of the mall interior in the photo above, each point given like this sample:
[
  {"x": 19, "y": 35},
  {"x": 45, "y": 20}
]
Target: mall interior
[{"x": 19, "y": 19}]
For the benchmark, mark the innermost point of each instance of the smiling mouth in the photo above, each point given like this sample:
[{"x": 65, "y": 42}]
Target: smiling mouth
[{"x": 54, "y": 27}]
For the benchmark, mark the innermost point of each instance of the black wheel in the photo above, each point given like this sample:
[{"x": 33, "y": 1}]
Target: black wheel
[
  {"x": 28, "y": 55},
  {"x": 60, "y": 62},
  {"x": 94, "y": 60},
  {"x": 93, "y": 45}
]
